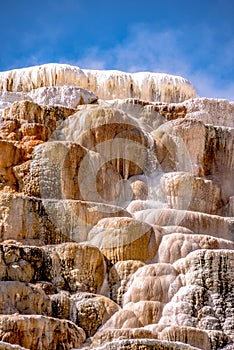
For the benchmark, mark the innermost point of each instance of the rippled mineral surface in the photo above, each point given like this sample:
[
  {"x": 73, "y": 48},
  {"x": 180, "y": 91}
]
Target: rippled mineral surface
[{"x": 116, "y": 212}]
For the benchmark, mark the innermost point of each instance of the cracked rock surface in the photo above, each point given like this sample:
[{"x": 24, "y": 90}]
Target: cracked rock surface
[{"x": 116, "y": 217}]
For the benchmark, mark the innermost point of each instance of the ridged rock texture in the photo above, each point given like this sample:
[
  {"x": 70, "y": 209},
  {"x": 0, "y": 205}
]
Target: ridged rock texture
[
  {"x": 116, "y": 212},
  {"x": 106, "y": 84}
]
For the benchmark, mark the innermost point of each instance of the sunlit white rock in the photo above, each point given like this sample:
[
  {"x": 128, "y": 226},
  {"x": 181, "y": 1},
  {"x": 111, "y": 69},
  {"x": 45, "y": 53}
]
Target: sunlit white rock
[
  {"x": 66, "y": 96},
  {"x": 106, "y": 84},
  {"x": 145, "y": 85}
]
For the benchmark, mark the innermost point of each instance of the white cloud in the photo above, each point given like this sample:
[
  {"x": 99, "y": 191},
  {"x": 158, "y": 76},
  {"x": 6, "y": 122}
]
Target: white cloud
[
  {"x": 91, "y": 60},
  {"x": 207, "y": 86},
  {"x": 142, "y": 50},
  {"x": 167, "y": 51},
  {"x": 203, "y": 59}
]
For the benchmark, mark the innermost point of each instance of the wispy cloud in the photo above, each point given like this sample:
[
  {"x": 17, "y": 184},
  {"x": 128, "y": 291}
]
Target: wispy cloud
[
  {"x": 94, "y": 58},
  {"x": 202, "y": 54},
  {"x": 142, "y": 49},
  {"x": 208, "y": 86},
  {"x": 203, "y": 61}
]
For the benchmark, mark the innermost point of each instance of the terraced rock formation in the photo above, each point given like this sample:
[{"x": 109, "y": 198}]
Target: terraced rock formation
[{"x": 116, "y": 212}]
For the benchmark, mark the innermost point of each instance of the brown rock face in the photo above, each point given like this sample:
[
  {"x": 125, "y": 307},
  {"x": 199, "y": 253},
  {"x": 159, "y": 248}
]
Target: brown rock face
[
  {"x": 35, "y": 332},
  {"x": 21, "y": 263},
  {"x": 119, "y": 276},
  {"x": 18, "y": 297},
  {"x": 146, "y": 344},
  {"x": 106, "y": 336},
  {"x": 112, "y": 133},
  {"x": 125, "y": 239},
  {"x": 185, "y": 191},
  {"x": 92, "y": 311},
  {"x": 116, "y": 217},
  {"x": 193, "y": 336},
  {"x": 74, "y": 267},
  {"x": 207, "y": 150},
  {"x": 147, "y": 311},
  {"x": 36, "y": 221},
  {"x": 8, "y": 346},
  {"x": 24, "y": 125}
]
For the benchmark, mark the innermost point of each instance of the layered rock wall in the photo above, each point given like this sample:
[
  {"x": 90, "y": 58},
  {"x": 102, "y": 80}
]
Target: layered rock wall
[
  {"x": 116, "y": 213},
  {"x": 106, "y": 84}
]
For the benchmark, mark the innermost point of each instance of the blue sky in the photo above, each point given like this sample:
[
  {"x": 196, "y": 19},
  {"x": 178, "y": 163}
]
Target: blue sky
[{"x": 194, "y": 39}]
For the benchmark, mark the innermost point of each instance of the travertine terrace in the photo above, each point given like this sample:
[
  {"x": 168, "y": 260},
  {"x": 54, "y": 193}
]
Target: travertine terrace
[{"x": 116, "y": 212}]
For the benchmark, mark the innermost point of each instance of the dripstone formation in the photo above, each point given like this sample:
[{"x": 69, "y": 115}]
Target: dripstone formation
[{"x": 116, "y": 212}]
